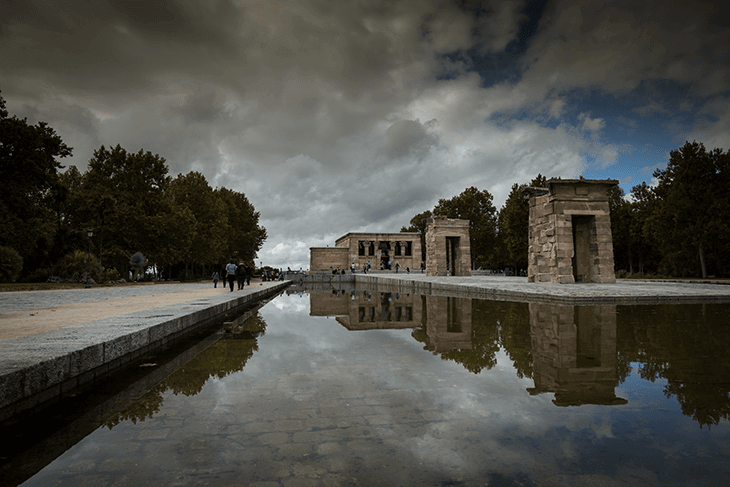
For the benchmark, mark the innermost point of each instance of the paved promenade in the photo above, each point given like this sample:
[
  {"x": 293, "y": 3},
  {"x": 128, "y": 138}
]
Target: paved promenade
[
  {"x": 29, "y": 313},
  {"x": 518, "y": 289},
  {"x": 53, "y": 341}
]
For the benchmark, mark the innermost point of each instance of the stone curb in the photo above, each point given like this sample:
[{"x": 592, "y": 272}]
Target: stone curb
[{"x": 38, "y": 368}]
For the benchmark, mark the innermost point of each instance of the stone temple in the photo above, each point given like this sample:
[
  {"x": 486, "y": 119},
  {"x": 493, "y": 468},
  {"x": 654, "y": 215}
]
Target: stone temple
[
  {"x": 448, "y": 251},
  {"x": 382, "y": 250},
  {"x": 570, "y": 232}
]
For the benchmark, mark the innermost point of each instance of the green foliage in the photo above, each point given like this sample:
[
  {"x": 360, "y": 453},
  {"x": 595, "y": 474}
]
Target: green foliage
[
  {"x": 75, "y": 266},
  {"x": 244, "y": 235},
  {"x": 127, "y": 198},
  {"x": 476, "y": 206},
  {"x": 29, "y": 173},
  {"x": 689, "y": 219},
  {"x": 513, "y": 223},
  {"x": 513, "y": 227},
  {"x": 11, "y": 263}
]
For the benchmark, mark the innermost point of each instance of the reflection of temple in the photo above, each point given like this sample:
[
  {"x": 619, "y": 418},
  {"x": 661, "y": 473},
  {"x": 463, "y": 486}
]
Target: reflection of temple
[
  {"x": 447, "y": 320},
  {"x": 365, "y": 310},
  {"x": 448, "y": 323},
  {"x": 574, "y": 353}
]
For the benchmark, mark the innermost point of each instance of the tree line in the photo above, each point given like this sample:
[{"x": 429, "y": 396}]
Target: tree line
[
  {"x": 678, "y": 227},
  {"x": 182, "y": 226}
]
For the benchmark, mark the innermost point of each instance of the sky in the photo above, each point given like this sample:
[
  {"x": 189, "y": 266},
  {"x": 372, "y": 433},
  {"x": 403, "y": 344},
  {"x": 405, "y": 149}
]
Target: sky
[{"x": 348, "y": 116}]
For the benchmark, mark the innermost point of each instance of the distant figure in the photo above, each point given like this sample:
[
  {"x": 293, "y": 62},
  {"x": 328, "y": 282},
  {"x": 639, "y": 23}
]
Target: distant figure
[
  {"x": 231, "y": 274},
  {"x": 215, "y": 279},
  {"x": 240, "y": 276},
  {"x": 247, "y": 270},
  {"x": 352, "y": 268},
  {"x": 397, "y": 266},
  {"x": 423, "y": 266},
  {"x": 408, "y": 270}
]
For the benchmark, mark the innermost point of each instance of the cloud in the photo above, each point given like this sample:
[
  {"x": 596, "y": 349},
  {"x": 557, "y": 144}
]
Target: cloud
[
  {"x": 591, "y": 124},
  {"x": 336, "y": 117}
]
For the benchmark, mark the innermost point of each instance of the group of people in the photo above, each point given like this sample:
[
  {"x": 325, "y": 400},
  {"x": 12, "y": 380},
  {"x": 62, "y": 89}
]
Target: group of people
[{"x": 235, "y": 274}]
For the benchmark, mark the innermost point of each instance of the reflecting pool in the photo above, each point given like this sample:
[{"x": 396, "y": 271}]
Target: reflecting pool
[{"x": 359, "y": 387}]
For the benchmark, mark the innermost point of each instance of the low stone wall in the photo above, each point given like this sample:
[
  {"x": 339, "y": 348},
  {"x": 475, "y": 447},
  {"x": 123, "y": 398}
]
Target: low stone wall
[{"x": 40, "y": 368}]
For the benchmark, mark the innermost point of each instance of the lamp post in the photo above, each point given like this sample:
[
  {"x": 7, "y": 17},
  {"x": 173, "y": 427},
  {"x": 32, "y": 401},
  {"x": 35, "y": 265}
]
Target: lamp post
[{"x": 89, "y": 233}]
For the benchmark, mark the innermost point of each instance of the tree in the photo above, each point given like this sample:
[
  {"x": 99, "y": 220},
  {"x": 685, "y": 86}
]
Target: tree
[
  {"x": 514, "y": 222},
  {"x": 475, "y": 206},
  {"x": 620, "y": 211},
  {"x": 692, "y": 216},
  {"x": 641, "y": 244},
  {"x": 123, "y": 192},
  {"x": 208, "y": 245},
  {"x": 28, "y": 170},
  {"x": 244, "y": 235},
  {"x": 11, "y": 263},
  {"x": 514, "y": 226}
]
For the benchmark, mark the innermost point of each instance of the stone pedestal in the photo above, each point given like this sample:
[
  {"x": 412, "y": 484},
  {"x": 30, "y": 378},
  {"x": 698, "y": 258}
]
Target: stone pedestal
[
  {"x": 570, "y": 232},
  {"x": 448, "y": 250}
]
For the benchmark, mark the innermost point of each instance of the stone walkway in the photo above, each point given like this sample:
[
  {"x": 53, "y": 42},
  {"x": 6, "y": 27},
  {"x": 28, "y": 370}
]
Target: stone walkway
[
  {"x": 29, "y": 313},
  {"x": 517, "y": 288},
  {"x": 53, "y": 341}
]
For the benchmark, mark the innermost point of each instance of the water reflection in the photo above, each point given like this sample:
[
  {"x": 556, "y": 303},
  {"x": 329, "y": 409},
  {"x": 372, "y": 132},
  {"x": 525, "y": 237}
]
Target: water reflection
[
  {"x": 223, "y": 357},
  {"x": 574, "y": 353},
  {"x": 581, "y": 354},
  {"x": 428, "y": 390}
]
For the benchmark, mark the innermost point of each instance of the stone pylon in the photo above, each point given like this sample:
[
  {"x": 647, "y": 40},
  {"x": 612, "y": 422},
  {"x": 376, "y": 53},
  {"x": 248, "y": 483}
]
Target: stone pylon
[{"x": 570, "y": 232}]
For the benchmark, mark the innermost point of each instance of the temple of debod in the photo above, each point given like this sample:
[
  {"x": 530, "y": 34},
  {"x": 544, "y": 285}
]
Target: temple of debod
[{"x": 569, "y": 240}]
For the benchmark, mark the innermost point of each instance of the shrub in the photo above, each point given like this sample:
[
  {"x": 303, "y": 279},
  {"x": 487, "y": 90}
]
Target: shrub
[
  {"x": 11, "y": 263},
  {"x": 75, "y": 266}
]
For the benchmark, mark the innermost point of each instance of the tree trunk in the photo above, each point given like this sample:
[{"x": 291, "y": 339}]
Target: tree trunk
[{"x": 702, "y": 263}]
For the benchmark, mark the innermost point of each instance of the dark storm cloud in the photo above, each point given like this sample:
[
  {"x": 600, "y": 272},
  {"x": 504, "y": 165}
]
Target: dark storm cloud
[
  {"x": 407, "y": 137},
  {"x": 342, "y": 116}
]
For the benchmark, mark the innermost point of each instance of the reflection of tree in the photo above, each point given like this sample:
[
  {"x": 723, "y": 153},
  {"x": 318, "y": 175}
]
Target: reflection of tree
[
  {"x": 484, "y": 338},
  {"x": 145, "y": 407},
  {"x": 687, "y": 346},
  {"x": 224, "y": 357},
  {"x": 515, "y": 337},
  {"x": 494, "y": 324}
]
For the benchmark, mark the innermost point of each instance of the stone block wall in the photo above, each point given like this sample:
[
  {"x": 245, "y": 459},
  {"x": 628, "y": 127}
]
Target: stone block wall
[
  {"x": 328, "y": 258},
  {"x": 382, "y": 256},
  {"x": 443, "y": 255},
  {"x": 570, "y": 233}
]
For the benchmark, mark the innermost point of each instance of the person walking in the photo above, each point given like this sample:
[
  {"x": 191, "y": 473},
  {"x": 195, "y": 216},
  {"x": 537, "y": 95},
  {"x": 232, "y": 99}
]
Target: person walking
[
  {"x": 215, "y": 279},
  {"x": 231, "y": 273},
  {"x": 240, "y": 276}
]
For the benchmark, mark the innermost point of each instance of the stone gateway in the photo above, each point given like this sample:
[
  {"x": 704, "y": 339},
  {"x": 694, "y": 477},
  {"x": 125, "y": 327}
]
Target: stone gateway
[
  {"x": 448, "y": 249},
  {"x": 570, "y": 232}
]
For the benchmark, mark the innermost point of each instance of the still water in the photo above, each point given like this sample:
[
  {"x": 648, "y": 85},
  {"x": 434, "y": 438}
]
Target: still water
[{"x": 355, "y": 387}]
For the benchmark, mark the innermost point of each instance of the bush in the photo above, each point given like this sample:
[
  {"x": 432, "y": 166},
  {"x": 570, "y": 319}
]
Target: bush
[
  {"x": 11, "y": 263},
  {"x": 75, "y": 266},
  {"x": 110, "y": 275}
]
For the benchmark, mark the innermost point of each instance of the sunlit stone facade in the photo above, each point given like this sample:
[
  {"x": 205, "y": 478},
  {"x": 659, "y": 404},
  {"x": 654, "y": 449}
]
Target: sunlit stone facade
[
  {"x": 448, "y": 248},
  {"x": 382, "y": 250},
  {"x": 570, "y": 232}
]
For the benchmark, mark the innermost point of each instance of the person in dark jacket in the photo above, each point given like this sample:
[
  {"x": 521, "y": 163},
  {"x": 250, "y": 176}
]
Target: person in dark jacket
[{"x": 240, "y": 275}]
